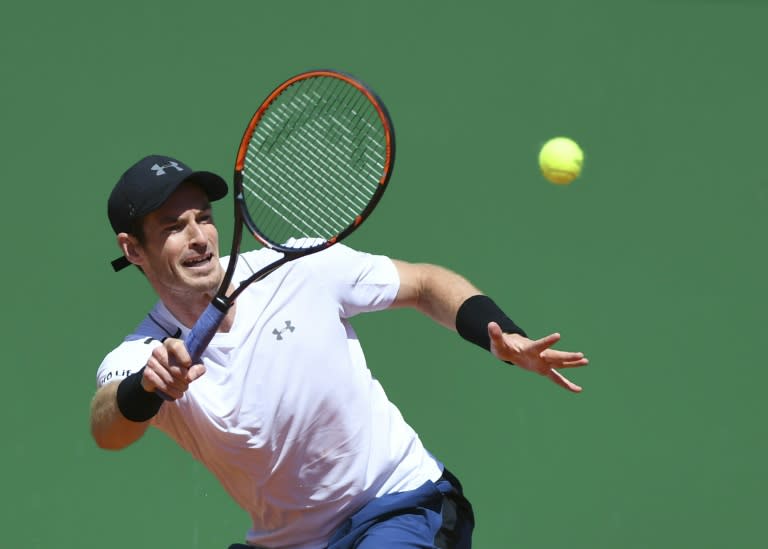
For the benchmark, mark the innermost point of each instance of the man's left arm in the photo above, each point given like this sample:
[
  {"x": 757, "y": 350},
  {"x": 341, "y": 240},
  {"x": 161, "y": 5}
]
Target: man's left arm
[{"x": 451, "y": 300}]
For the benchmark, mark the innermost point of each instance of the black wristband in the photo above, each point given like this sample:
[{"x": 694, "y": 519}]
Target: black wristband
[
  {"x": 473, "y": 317},
  {"x": 134, "y": 402}
]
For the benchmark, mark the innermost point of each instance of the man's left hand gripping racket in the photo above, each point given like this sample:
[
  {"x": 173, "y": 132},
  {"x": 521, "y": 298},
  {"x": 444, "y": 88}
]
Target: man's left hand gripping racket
[{"x": 313, "y": 163}]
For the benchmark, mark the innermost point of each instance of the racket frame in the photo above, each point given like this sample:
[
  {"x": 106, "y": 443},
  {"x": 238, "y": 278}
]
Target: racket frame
[
  {"x": 241, "y": 209},
  {"x": 206, "y": 326}
]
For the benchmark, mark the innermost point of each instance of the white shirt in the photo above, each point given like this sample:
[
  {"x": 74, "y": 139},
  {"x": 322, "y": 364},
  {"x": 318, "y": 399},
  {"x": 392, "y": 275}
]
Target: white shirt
[{"x": 288, "y": 416}]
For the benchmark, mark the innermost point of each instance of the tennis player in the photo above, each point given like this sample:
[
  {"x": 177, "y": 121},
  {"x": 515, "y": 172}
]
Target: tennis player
[{"x": 283, "y": 409}]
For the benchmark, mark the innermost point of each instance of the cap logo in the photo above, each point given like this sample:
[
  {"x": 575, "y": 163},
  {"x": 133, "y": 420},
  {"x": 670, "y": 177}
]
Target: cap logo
[{"x": 160, "y": 170}]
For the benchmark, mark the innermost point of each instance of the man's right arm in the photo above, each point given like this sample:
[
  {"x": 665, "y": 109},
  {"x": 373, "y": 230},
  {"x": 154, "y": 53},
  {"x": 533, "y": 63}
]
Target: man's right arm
[
  {"x": 110, "y": 429},
  {"x": 119, "y": 417}
]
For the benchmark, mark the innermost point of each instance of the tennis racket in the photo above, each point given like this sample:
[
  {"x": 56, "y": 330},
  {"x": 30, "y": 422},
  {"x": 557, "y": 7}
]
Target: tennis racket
[{"x": 313, "y": 163}]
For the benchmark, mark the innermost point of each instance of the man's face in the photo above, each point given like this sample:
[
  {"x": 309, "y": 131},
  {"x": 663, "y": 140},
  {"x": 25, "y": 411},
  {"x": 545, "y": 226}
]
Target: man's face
[{"x": 180, "y": 251}]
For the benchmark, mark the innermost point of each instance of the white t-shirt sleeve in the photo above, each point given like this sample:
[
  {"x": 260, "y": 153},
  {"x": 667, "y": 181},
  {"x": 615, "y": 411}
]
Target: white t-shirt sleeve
[
  {"x": 362, "y": 281},
  {"x": 129, "y": 357}
]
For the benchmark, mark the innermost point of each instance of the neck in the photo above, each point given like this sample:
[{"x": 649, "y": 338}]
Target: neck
[{"x": 188, "y": 308}]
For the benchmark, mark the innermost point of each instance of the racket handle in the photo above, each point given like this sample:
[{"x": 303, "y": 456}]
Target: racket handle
[
  {"x": 202, "y": 332},
  {"x": 204, "y": 329}
]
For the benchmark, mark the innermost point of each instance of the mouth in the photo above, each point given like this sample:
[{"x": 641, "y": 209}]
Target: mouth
[{"x": 199, "y": 261}]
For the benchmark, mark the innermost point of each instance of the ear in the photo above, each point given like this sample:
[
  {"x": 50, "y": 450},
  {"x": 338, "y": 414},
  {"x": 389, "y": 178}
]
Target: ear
[{"x": 131, "y": 248}]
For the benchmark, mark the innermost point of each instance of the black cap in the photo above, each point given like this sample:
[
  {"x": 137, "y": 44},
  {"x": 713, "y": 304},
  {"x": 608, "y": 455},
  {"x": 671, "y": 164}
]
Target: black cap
[{"x": 146, "y": 185}]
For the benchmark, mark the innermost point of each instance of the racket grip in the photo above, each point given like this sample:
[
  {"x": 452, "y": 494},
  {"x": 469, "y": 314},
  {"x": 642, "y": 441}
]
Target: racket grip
[
  {"x": 204, "y": 329},
  {"x": 201, "y": 333}
]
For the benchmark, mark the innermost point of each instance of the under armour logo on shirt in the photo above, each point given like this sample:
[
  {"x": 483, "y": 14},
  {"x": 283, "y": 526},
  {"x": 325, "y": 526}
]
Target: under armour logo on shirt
[
  {"x": 160, "y": 170},
  {"x": 279, "y": 333}
]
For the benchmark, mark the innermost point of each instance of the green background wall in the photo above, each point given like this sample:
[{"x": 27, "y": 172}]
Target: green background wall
[{"x": 653, "y": 263}]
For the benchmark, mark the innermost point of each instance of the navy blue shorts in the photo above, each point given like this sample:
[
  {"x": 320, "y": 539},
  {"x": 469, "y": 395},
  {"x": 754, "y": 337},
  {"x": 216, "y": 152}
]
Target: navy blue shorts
[{"x": 434, "y": 516}]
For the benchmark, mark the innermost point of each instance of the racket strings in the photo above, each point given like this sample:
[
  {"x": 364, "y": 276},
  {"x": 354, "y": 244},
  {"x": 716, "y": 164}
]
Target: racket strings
[
  {"x": 317, "y": 143},
  {"x": 315, "y": 160}
]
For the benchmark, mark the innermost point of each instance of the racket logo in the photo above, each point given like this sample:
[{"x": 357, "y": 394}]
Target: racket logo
[
  {"x": 279, "y": 333},
  {"x": 160, "y": 170}
]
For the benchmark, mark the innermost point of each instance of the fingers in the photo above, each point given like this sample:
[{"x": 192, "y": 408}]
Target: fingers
[
  {"x": 177, "y": 353},
  {"x": 562, "y": 381},
  {"x": 537, "y": 356},
  {"x": 504, "y": 348},
  {"x": 563, "y": 359},
  {"x": 574, "y": 363},
  {"x": 547, "y": 341},
  {"x": 170, "y": 369},
  {"x": 195, "y": 372},
  {"x": 560, "y": 359},
  {"x": 495, "y": 333},
  {"x": 497, "y": 336}
]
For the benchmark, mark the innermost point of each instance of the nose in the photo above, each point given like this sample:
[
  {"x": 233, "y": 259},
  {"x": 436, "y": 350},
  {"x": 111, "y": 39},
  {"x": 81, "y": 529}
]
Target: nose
[{"x": 196, "y": 234}]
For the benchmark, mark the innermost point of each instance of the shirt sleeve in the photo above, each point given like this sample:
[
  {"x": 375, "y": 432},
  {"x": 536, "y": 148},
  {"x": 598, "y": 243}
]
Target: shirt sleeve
[
  {"x": 129, "y": 357},
  {"x": 363, "y": 282}
]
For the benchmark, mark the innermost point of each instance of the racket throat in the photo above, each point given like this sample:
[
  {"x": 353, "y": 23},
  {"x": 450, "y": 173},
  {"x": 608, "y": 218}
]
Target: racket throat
[{"x": 221, "y": 303}]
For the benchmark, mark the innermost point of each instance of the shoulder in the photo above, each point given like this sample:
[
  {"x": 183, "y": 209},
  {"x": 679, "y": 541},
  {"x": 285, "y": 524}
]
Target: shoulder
[
  {"x": 132, "y": 353},
  {"x": 361, "y": 281},
  {"x": 251, "y": 261},
  {"x": 338, "y": 256},
  {"x": 341, "y": 255}
]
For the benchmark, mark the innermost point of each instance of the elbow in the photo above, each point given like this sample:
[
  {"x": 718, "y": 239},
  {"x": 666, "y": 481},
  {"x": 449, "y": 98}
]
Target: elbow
[
  {"x": 113, "y": 438},
  {"x": 109, "y": 429},
  {"x": 106, "y": 443}
]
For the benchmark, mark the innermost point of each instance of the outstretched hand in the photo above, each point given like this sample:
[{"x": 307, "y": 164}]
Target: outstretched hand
[{"x": 536, "y": 355}]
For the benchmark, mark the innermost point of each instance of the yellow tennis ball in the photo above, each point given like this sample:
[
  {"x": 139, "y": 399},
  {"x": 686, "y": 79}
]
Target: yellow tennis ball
[{"x": 561, "y": 160}]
